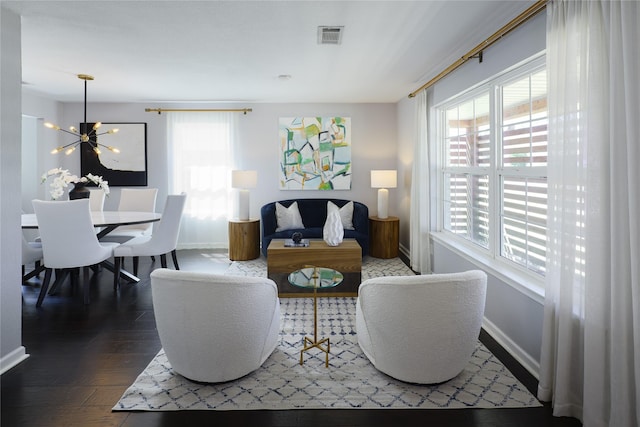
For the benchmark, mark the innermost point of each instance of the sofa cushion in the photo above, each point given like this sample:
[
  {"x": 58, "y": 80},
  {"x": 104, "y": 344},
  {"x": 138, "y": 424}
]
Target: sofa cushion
[
  {"x": 288, "y": 218},
  {"x": 345, "y": 212}
]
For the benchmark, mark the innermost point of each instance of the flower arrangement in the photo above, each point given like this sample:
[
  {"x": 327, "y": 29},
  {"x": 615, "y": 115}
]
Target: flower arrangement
[{"x": 62, "y": 178}]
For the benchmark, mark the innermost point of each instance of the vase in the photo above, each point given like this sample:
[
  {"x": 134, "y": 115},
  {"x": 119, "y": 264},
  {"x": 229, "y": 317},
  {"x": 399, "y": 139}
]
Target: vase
[
  {"x": 79, "y": 191},
  {"x": 333, "y": 231}
]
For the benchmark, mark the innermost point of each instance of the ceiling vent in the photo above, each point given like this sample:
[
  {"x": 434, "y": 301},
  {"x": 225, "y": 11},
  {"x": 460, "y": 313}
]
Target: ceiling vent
[{"x": 330, "y": 35}]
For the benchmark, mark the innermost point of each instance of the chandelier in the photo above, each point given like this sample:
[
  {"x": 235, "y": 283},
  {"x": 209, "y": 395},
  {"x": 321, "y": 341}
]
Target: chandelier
[{"x": 84, "y": 135}]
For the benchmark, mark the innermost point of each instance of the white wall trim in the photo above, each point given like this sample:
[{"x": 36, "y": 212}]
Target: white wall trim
[
  {"x": 529, "y": 363},
  {"x": 404, "y": 250},
  {"x": 214, "y": 245},
  {"x": 523, "y": 282},
  {"x": 12, "y": 359}
]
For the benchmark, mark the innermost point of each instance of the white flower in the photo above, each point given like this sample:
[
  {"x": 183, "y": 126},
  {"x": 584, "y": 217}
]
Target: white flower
[
  {"x": 97, "y": 180},
  {"x": 62, "y": 179}
]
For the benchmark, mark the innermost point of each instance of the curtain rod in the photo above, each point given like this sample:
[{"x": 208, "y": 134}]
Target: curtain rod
[
  {"x": 476, "y": 52},
  {"x": 195, "y": 110}
]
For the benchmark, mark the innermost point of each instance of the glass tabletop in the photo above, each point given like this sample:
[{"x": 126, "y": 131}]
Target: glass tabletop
[{"x": 315, "y": 277}]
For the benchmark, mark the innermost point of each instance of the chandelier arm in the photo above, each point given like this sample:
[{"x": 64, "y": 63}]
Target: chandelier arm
[
  {"x": 105, "y": 146},
  {"x": 69, "y": 132},
  {"x": 103, "y": 133},
  {"x": 95, "y": 143},
  {"x": 71, "y": 143},
  {"x": 72, "y": 149}
]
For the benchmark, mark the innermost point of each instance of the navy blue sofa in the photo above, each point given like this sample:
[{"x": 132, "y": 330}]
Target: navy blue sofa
[{"x": 314, "y": 215}]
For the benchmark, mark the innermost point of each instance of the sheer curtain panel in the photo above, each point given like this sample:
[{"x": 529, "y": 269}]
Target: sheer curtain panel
[
  {"x": 590, "y": 363},
  {"x": 420, "y": 208},
  {"x": 199, "y": 165}
]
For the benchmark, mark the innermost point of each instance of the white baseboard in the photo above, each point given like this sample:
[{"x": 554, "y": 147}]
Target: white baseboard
[
  {"x": 218, "y": 245},
  {"x": 529, "y": 363},
  {"x": 12, "y": 359},
  {"x": 404, "y": 250}
]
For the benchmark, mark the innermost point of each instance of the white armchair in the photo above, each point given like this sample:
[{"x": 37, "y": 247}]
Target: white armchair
[
  {"x": 215, "y": 328},
  {"x": 421, "y": 329}
]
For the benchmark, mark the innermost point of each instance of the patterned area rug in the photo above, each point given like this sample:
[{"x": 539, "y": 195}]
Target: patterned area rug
[
  {"x": 371, "y": 267},
  {"x": 350, "y": 381}
]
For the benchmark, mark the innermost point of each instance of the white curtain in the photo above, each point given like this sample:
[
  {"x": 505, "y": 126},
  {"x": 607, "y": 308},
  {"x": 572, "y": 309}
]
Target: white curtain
[
  {"x": 590, "y": 362},
  {"x": 419, "y": 220},
  {"x": 199, "y": 164}
]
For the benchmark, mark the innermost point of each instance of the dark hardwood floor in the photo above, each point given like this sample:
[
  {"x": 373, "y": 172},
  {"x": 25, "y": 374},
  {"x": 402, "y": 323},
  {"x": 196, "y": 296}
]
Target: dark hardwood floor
[{"x": 82, "y": 358}]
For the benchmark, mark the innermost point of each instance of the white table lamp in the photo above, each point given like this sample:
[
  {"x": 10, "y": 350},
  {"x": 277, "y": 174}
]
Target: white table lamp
[
  {"x": 243, "y": 180},
  {"x": 383, "y": 179}
]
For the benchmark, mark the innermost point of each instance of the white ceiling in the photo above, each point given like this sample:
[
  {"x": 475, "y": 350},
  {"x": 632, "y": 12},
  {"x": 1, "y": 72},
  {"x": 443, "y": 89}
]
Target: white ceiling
[{"x": 228, "y": 51}]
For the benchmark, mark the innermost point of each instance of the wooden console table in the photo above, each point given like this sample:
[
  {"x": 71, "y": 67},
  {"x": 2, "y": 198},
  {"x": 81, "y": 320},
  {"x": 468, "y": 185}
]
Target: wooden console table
[
  {"x": 384, "y": 236},
  {"x": 244, "y": 239}
]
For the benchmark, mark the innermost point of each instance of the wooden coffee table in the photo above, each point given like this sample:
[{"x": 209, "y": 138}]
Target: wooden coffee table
[{"x": 346, "y": 258}]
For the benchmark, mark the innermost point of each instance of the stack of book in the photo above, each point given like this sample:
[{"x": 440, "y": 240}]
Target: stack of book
[{"x": 289, "y": 243}]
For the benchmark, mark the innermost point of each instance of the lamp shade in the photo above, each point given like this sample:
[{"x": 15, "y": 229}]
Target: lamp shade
[
  {"x": 384, "y": 179},
  {"x": 244, "y": 179}
]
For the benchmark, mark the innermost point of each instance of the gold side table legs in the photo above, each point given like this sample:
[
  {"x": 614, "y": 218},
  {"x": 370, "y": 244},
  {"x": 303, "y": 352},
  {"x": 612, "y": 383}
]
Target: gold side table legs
[
  {"x": 315, "y": 277},
  {"x": 309, "y": 343}
]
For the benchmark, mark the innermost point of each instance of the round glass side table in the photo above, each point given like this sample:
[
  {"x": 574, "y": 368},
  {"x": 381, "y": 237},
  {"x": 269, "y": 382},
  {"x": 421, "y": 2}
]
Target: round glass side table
[{"x": 314, "y": 278}]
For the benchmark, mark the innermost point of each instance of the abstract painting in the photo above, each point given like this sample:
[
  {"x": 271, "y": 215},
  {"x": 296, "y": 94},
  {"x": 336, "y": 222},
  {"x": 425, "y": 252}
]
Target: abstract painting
[
  {"x": 126, "y": 168},
  {"x": 315, "y": 153}
]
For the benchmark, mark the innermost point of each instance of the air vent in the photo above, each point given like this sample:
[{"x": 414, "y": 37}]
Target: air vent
[{"x": 330, "y": 35}]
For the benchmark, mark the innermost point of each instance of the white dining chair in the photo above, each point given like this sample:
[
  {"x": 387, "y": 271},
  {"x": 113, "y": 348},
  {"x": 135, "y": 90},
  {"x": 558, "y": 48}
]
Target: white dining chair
[
  {"x": 69, "y": 240},
  {"x": 135, "y": 200},
  {"x": 162, "y": 241},
  {"x": 31, "y": 254},
  {"x": 96, "y": 199}
]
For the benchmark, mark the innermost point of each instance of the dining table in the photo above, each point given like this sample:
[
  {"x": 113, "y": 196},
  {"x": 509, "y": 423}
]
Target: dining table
[{"x": 106, "y": 222}]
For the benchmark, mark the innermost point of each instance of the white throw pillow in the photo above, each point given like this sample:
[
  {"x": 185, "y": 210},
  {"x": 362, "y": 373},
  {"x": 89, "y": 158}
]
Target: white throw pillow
[
  {"x": 346, "y": 214},
  {"x": 288, "y": 218}
]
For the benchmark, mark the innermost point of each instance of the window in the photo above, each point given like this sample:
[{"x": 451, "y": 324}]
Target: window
[
  {"x": 493, "y": 144},
  {"x": 523, "y": 176},
  {"x": 199, "y": 161},
  {"x": 466, "y": 175}
]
